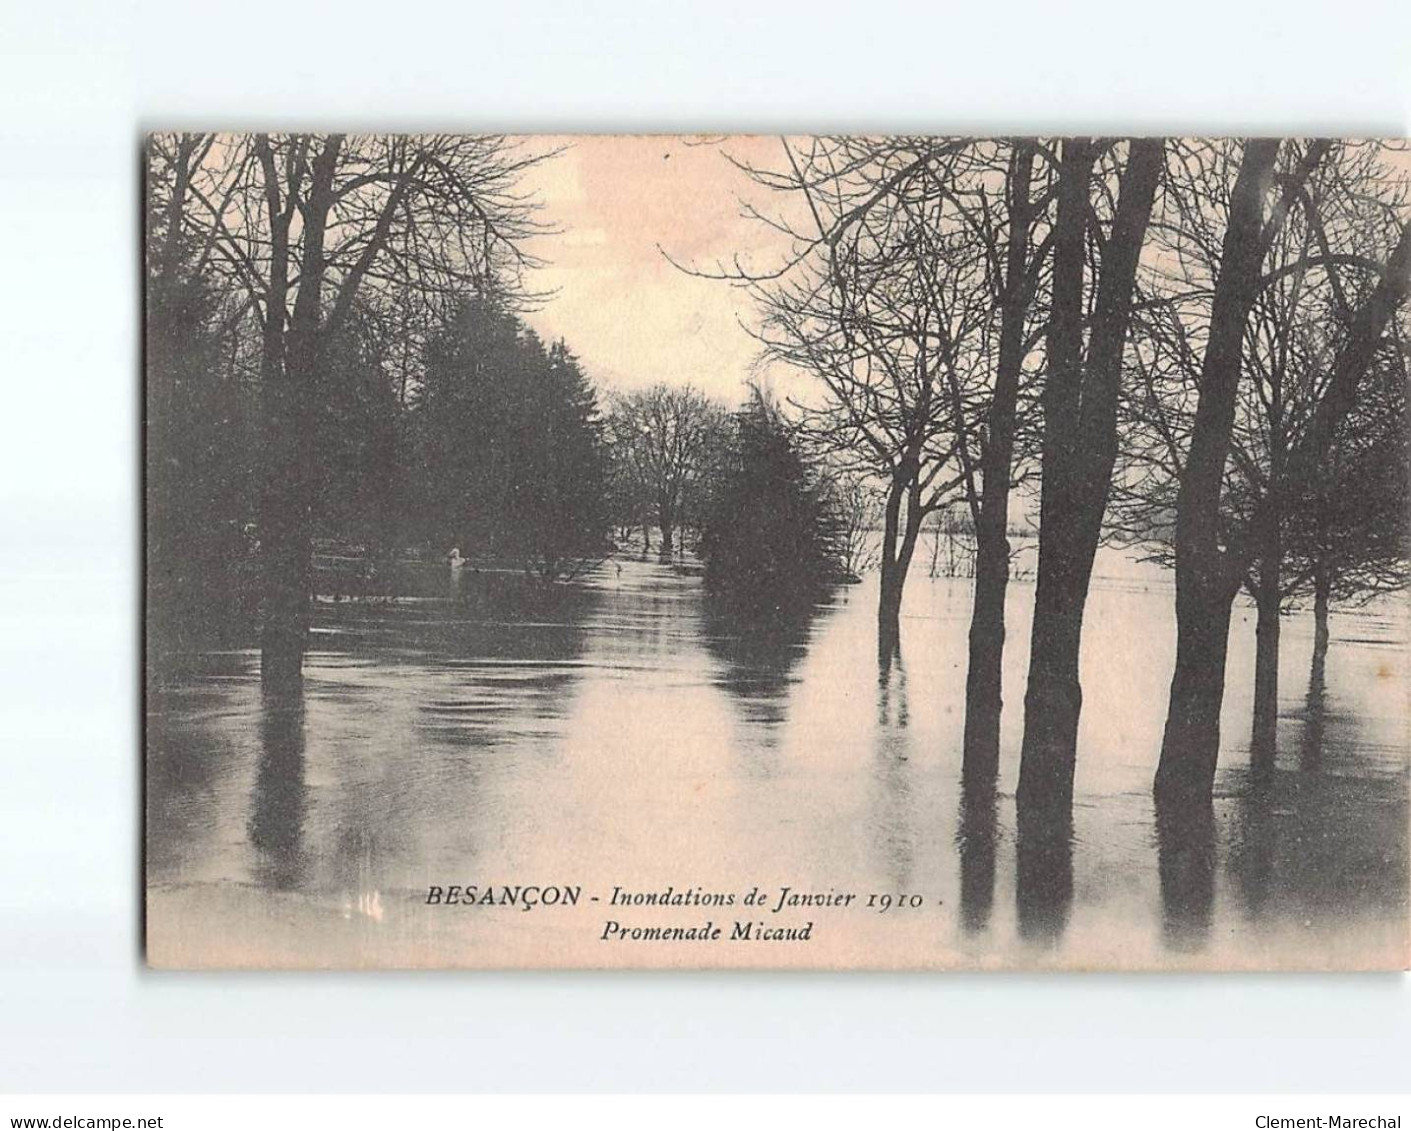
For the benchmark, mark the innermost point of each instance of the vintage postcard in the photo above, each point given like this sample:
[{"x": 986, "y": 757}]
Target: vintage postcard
[{"x": 896, "y": 552}]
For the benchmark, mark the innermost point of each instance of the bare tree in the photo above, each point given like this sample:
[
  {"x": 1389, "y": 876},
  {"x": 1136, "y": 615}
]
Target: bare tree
[
  {"x": 1016, "y": 261},
  {"x": 886, "y": 301},
  {"x": 913, "y": 294},
  {"x": 662, "y": 438},
  {"x": 1214, "y": 557},
  {"x": 1329, "y": 246},
  {"x": 1347, "y": 535},
  {"x": 1080, "y": 398},
  {"x": 858, "y": 503},
  {"x": 307, "y": 226}
]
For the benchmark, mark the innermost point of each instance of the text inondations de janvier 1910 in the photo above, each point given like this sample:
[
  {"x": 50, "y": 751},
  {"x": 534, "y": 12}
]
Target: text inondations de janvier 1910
[{"x": 756, "y": 913}]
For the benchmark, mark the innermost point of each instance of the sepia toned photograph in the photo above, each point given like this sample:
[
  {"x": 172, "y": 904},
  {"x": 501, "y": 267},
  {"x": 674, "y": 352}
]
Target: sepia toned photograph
[{"x": 807, "y": 552}]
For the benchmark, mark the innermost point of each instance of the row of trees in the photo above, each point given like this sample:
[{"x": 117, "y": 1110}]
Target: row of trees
[
  {"x": 1195, "y": 345},
  {"x": 671, "y": 450},
  {"x": 334, "y": 352},
  {"x": 336, "y": 361}
]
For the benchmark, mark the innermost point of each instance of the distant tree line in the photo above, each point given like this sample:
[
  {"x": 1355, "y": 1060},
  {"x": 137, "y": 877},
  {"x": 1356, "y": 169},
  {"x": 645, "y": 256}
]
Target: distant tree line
[{"x": 666, "y": 442}]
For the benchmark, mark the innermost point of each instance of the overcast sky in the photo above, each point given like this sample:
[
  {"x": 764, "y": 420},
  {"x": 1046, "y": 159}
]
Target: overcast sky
[{"x": 629, "y": 314}]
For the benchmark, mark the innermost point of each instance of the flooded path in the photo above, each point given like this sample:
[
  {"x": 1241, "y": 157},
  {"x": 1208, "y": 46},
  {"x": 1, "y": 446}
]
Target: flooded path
[{"x": 620, "y": 733}]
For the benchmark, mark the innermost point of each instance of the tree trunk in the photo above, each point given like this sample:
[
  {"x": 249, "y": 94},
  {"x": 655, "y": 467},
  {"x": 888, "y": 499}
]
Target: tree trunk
[
  {"x": 1322, "y": 596},
  {"x": 889, "y": 599},
  {"x": 894, "y": 571},
  {"x": 289, "y": 369},
  {"x": 1264, "y": 739},
  {"x": 984, "y": 701},
  {"x": 1080, "y": 449},
  {"x": 1204, "y": 590},
  {"x": 281, "y": 629},
  {"x": 889, "y": 611},
  {"x": 898, "y": 542},
  {"x": 286, "y": 546},
  {"x": 976, "y": 840},
  {"x": 1314, "y": 715},
  {"x": 168, "y": 264},
  {"x": 1186, "y": 867},
  {"x": 1053, "y": 700},
  {"x": 668, "y": 531},
  {"x": 1186, "y": 773},
  {"x": 1268, "y": 594},
  {"x": 287, "y": 515},
  {"x": 1053, "y": 697}
]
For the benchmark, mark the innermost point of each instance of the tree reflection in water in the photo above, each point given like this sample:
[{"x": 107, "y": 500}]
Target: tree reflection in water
[
  {"x": 1043, "y": 871},
  {"x": 279, "y": 802},
  {"x": 758, "y": 655},
  {"x": 1314, "y": 717},
  {"x": 891, "y": 816},
  {"x": 453, "y": 731},
  {"x": 975, "y": 839},
  {"x": 893, "y": 709},
  {"x": 1185, "y": 861}
]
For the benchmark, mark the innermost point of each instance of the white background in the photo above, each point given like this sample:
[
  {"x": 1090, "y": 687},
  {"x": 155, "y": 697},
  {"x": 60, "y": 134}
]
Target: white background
[
  {"x": 1062, "y": 1112},
  {"x": 79, "y": 82}
]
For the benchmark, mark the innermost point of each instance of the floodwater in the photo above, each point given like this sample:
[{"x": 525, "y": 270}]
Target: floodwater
[{"x": 621, "y": 733}]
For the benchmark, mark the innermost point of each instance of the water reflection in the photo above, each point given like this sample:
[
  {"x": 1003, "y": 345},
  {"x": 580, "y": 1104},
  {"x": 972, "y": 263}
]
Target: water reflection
[
  {"x": 192, "y": 753},
  {"x": 892, "y": 812},
  {"x": 495, "y": 613},
  {"x": 279, "y": 801},
  {"x": 1268, "y": 796},
  {"x": 1314, "y": 846},
  {"x": 1043, "y": 871},
  {"x": 893, "y": 709},
  {"x": 977, "y": 832},
  {"x": 625, "y": 723},
  {"x": 1254, "y": 835},
  {"x": 1185, "y": 848},
  {"x": 1310, "y": 751},
  {"x": 758, "y": 657}
]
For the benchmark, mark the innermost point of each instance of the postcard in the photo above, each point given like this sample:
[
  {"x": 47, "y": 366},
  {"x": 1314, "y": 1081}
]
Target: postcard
[{"x": 806, "y": 552}]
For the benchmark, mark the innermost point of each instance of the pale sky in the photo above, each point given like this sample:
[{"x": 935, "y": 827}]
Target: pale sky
[{"x": 631, "y": 316}]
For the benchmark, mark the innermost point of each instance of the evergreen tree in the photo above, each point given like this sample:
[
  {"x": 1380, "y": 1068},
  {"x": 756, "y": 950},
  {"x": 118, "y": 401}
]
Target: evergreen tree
[
  {"x": 509, "y": 454},
  {"x": 358, "y": 470},
  {"x": 202, "y": 453},
  {"x": 771, "y": 538}
]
